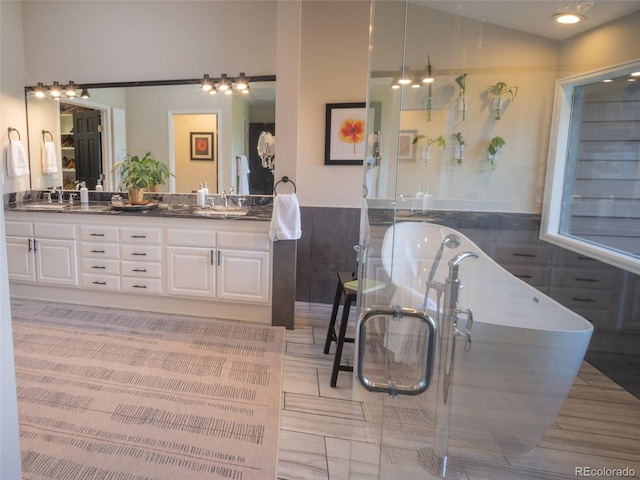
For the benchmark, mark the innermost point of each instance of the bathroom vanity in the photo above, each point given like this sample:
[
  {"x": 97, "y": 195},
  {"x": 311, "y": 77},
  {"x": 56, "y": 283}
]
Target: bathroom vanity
[{"x": 219, "y": 266}]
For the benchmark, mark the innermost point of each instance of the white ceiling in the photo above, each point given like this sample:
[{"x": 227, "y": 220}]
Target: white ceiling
[{"x": 534, "y": 16}]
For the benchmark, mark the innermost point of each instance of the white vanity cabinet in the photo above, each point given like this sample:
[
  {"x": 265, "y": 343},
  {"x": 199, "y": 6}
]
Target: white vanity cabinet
[
  {"x": 224, "y": 264},
  {"x": 141, "y": 259},
  {"x": 192, "y": 266},
  {"x": 243, "y": 267},
  {"x": 99, "y": 257},
  {"x": 191, "y": 258},
  {"x": 42, "y": 252}
]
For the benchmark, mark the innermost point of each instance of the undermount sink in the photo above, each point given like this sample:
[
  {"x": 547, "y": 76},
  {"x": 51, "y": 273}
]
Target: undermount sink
[
  {"x": 46, "y": 206},
  {"x": 216, "y": 210},
  {"x": 97, "y": 207}
]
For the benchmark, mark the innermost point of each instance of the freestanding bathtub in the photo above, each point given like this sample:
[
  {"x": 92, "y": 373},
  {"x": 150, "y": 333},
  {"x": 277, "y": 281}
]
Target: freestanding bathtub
[{"x": 526, "y": 349}]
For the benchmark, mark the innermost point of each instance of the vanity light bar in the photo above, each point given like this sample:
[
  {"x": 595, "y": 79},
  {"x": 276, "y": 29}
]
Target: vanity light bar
[{"x": 41, "y": 87}]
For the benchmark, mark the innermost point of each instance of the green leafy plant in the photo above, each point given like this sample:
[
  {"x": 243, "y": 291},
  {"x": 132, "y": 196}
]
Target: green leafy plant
[
  {"x": 430, "y": 141},
  {"x": 459, "y": 153},
  {"x": 495, "y": 146},
  {"x": 141, "y": 173},
  {"x": 497, "y": 91}
]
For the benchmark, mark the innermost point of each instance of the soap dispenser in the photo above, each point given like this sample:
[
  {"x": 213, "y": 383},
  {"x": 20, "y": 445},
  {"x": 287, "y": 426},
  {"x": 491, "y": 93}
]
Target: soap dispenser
[
  {"x": 99, "y": 184},
  {"x": 427, "y": 201},
  {"x": 84, "y": 194}
]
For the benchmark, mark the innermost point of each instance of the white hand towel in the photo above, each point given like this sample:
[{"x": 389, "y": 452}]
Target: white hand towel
[
  {"x": 17, "y": 160},
  {"x": 285, "y": 220},
  {"x": 49, "y": 160},
  {"x": 243, "y": 174}
]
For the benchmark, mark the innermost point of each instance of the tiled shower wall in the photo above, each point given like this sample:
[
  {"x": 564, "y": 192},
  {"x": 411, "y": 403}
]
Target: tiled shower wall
[{"x": 326, "y": 247}]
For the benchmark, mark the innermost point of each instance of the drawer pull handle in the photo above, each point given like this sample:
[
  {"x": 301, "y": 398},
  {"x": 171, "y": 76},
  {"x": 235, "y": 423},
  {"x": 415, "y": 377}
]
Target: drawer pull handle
[
  {"x": 138, "y": 254},
  {"x": 99, "y": 283},
  {"x": 578, "y": 279},
  {"x": 97, "y": 234},
  {"x": 97, "y": 251},
  {"x": 524, "y": 276},
  {"x": 138, "y": 236},
  {"x": 139, "y": 286},
  {"x": 584, "y": 300},
  {"x": 529, "y": 255},
  {"x": 35, "y": 245},
  {"x": 144, "y": 270},
  {"x": 102, "y": 267}
]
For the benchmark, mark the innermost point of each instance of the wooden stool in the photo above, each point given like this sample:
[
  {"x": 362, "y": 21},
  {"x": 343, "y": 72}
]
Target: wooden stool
[{"x": 350, "y": 296}]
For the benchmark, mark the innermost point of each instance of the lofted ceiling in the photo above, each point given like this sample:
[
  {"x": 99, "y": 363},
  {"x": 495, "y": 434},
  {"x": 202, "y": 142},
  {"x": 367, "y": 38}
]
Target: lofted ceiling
[{"x": 534, "y": 16}]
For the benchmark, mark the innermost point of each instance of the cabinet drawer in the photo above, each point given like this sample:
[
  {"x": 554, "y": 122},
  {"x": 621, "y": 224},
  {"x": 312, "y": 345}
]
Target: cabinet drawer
[
  {"x": 191, "y": 238},
  {"x": 97, "y": 233},
  {"x": 99, "y": 250},
  {"x": 101, "y": 282},
  {"x": 140, "y": 236},
  {"x": 144, "y": 253},
  {"x": 244, "y": 240},
  {"x": 101, "y": 266},
  {"x": 141, "y": 269},
  {"x": 142, "y": 285},
  {"x": 586, "y": 278},
  {"x": 583, "y": 299},
  {"x": 18, "y": 229},
  {"x": 55, "y": 230},
  {"x": 520, "y": 254}
]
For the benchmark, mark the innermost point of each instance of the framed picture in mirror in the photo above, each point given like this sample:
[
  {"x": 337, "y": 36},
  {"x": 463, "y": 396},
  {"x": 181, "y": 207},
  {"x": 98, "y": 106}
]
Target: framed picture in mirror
[{"x": 202, "y": 146}]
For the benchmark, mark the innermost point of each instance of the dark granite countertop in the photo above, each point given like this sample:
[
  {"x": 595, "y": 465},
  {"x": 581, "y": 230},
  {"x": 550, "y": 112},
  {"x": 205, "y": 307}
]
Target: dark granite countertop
[{"x": 257, "y": 208}]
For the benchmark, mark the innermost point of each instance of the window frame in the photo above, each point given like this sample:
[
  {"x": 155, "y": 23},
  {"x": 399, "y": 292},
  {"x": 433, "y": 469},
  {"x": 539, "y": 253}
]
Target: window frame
[{"x": 552, "y": 208}]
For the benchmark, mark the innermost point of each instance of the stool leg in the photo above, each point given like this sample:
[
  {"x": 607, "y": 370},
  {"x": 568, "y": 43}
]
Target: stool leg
[
  {"x": 340, "y": 342},
  {"x": 331, "y": 331}
]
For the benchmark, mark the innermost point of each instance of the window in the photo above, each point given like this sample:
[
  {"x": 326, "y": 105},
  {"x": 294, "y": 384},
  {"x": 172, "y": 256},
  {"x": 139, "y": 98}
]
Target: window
[{"x": 592, "y": 196}]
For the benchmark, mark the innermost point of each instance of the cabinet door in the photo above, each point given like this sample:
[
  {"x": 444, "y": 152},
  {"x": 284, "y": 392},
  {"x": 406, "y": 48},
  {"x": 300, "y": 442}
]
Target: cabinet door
[
  {"x": 56, "y": 262},
  {"x": 20, "y": 262},
  {"x": 243, "y": 276},
  {"x": 190, "y": 272}
]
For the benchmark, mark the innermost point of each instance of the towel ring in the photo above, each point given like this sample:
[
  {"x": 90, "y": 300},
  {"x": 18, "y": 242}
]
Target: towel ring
[
  {"x": 284, "y": 180},
  {"x": 44, "y": 132},
  {"x": 10, "y": 129}
]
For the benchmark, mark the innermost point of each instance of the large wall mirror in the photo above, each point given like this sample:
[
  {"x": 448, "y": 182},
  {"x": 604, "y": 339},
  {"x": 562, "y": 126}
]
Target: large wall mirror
[{"x": 92, "y": 134}]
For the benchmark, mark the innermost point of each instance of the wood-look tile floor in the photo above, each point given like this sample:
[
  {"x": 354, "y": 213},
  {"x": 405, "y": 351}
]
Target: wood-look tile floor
[
  {"x": 598, "y": 426},
  {"x": 321, "y": 427}
]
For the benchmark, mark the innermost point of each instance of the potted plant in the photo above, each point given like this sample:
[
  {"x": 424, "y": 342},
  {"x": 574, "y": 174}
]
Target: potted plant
[
  {"x": 496, "y": 91},
  {"x": 493, "y": 150},
  {"x": 459, "y": 148},
  {"x": 425, "y": 152},
  {"x": 140, "y": 174}
]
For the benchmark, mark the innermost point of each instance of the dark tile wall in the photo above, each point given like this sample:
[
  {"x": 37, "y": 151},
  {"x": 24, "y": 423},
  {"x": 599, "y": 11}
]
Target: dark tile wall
[{"x": 326, "y": 247}]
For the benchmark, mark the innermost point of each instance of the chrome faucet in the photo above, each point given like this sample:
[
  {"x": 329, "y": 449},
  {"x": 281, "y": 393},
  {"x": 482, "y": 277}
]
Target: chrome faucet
[
  {"x": 225, "y": 200},
  {"x": 60, "y": 194}
]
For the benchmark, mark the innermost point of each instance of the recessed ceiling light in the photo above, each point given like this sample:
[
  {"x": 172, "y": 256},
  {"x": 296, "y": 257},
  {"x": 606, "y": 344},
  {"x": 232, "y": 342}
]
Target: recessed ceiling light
[{"x": 567, "y": 18}]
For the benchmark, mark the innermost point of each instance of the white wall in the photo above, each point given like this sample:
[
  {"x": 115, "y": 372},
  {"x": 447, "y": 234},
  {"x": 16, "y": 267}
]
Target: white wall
[
  {"x": 612, "y": 44},
  {"x": 10, "y": 77},
  {"x": 333, "y": 69},
  {"x": 12, "y": 94}
]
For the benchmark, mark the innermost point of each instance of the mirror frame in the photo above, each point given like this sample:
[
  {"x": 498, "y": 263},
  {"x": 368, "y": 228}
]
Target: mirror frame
[{"x": 30, "y": 90}]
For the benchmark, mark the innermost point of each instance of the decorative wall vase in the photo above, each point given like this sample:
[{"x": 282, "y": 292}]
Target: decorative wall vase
[
  {"x": 493, "y": 160},
  {"x": 425, "y": 154},
  {"x": 497, "y": 107},
  {"x": 459, "y": 154}
]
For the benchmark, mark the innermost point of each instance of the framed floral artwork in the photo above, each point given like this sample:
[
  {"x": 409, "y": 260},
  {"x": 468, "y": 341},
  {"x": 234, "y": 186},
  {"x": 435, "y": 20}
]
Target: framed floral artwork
[
  {"x": 202, "y": 146},
  {"x": 345, "y": 134}
]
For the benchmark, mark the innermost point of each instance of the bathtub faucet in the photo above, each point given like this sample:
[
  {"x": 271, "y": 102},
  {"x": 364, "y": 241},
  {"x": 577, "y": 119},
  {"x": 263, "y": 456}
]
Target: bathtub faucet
[{"x": 452, "y": 291}]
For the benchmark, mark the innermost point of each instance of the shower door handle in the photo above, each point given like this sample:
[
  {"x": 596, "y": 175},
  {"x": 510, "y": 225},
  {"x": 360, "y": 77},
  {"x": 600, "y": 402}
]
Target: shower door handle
[{"x": 397, "y": 313}]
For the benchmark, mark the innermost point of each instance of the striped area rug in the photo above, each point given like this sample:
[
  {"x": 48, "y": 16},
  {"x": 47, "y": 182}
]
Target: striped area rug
[{"x": 120, "y": 396}]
